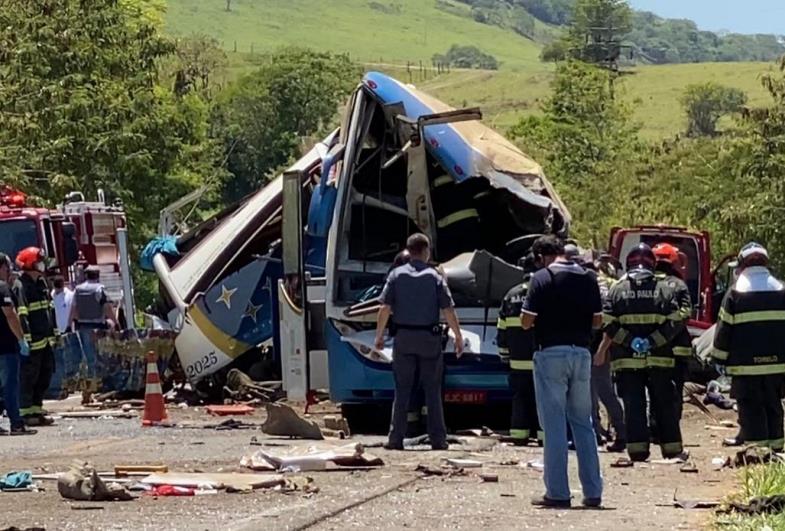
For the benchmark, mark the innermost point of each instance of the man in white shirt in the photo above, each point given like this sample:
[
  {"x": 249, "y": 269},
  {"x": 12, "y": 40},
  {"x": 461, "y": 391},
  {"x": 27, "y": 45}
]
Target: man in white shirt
[{"x": 63, "y": 299}]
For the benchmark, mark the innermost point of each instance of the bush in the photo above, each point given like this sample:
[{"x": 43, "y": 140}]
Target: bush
[{"x": 467, "y": 57}]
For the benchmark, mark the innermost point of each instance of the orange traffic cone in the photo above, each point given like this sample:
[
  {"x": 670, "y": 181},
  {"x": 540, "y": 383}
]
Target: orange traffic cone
[{"x": 154, "y": 407}]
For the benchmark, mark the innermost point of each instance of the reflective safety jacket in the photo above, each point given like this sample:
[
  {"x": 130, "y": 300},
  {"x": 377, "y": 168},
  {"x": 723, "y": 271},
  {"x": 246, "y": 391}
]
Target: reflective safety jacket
[
  {"x": 37, "y": 312},
  {"x": 641, "y": 306},
  {"x": 452, "y": 203},
  {"x": 750, "y": 335},
  {"x": 514, "y": 343},
  {"x": 682, "y": 343}
]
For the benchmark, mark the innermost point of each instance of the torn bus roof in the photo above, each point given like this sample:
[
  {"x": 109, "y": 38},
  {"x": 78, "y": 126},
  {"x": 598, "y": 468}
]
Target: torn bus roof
[{"x": 471, "y": 149}]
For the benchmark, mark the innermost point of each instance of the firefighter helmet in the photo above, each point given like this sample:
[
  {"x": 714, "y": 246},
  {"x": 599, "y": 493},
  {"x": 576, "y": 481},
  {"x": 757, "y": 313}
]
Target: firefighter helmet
[
  {"x": 641, "y": 257},
  {"x": 753, "y": 254},
  {"x": 29, "y": 257},
  {"x": 665, "y": 252}
]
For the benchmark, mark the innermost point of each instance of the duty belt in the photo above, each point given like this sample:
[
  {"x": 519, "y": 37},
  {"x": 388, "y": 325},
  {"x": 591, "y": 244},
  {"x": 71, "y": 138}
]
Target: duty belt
[{"x": 435, "y": 329}]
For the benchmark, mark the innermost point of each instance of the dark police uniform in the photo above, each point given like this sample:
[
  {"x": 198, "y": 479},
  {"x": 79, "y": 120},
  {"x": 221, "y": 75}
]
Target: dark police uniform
[
  {"x": 750, "y": 343},
  {"x": 416, "y": 294},
  {"x": 641, "y": 306},
  {"x": 682, "y": 343},
  {"x": 516, "y": 346},
  {"x": 37, "y": 313}
]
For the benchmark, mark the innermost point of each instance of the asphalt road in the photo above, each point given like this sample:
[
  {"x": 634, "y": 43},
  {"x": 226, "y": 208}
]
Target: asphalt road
[{"x": 392, "y": 496}]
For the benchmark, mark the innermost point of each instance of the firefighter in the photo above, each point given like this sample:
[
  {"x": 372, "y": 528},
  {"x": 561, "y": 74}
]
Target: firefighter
[
  {"x": 750, "y": 343},
  {"x": 516, "y": 347},
  {"x": 668, "y": 271},
  {"x": 457, "y": 217},
  {"x": 641, "y": 319},
  {"x": 38, "y": 313}
]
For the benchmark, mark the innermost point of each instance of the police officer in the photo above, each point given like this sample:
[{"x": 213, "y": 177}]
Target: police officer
[
  {"x": 516, "y": 347},
  {"x": 37, "y": 310},
  {"x": 750, "y": 343},
  {"x": 668, "y": 271},
  {"x": 413, "y": 296},
  {"x": 641, "y": 319}
]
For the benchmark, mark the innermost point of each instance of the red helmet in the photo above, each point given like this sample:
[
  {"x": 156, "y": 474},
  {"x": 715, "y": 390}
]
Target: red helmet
[
  {"x": 666, "y": 252},
  {"x": 29, "y": 257}
]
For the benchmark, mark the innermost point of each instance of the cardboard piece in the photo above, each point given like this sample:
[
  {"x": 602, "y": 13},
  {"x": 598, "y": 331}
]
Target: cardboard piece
[{"x": 233, "y": 481}]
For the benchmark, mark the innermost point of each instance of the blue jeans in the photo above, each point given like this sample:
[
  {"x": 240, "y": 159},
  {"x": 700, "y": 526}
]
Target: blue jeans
[
  {"x": 9, "y": 380},
  {"x": 562, "y": 380}
]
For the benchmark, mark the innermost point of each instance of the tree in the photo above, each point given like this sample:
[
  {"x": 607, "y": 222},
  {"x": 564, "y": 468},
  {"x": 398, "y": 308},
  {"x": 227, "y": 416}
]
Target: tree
[
  {"x": 81, "y": 108},
  {"x": 467, "y": 57},
  {"x": 263, "y": 116},
  {"x": 597, "y": 29},
  {"x": 584, "y": 140},
  {"x": 706, "y": 103}
]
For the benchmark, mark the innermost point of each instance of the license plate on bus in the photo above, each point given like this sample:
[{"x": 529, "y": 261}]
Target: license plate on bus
[{"x": 465, "y": 397}]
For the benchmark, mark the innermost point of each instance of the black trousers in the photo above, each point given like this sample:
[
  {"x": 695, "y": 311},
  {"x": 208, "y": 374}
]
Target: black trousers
[
  {"x": 524, "y": 424},
  {"x": 680, "y": 377},
  {"x": 632, "y": 386},
  {"x": 35, "y": 376},
  {"x": 759, "y": 399}
]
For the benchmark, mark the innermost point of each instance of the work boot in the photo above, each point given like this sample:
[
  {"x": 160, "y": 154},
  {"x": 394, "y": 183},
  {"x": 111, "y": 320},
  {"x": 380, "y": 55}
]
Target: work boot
[
  {"x": 738, "y": 440},
  {"x": 617, "y": 446},
  {"x": 22, "y": 430},
  {"x": 546, "y": 502},
  {"x": 393, "y": 445},
  {"x": 592, "y": 503}
]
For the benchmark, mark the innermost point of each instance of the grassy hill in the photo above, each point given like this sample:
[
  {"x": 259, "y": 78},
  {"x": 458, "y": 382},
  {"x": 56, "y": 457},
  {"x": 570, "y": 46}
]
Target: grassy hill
[
  {"x": 383, "y": 34},
  {"x": 386, "y": 31}
]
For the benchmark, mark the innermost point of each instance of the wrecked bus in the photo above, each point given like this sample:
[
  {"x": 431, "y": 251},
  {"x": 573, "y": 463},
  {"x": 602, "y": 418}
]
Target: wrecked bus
[
  {"x": 405, "y": 162},
  {"x": 401, "y": 162}
]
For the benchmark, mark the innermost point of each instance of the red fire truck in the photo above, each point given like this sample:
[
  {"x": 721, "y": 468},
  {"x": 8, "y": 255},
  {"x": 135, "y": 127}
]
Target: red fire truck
[{"x": 74, "y": 235}]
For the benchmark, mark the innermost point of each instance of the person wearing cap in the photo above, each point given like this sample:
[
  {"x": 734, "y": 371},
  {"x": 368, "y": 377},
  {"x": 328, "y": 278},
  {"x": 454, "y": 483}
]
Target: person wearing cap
[
  {"x": 641, "y": 319},
  {"x": 669, "y": 270},
  {"x": 563, "y": 307},
  {"x": 750, "y": 343},
  {"x": 13, "y": 347},
  {"x": 38, "y": 318},
  {"x": 516, "y": 348},
  {"x": 91, "y": 310}
]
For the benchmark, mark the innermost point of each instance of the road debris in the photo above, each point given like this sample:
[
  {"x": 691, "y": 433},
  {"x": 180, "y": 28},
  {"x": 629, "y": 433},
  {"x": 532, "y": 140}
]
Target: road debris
[
  {"x": 239, "y": 386},
  {"x": 351, "y": 457},
  {"x": 99, "y": 414},
  {"x": 82, "y": 483},
  {"x": 489, "y": 478},
  {"x": 226, "y": 410},
  {"x": 135, "y": 470},
  {"x": 337, "y": 423},
  {"x": 688, "y": 468},
  {"x": 443, "y": 471},
  {"x": 761, "y": 505},
  {"x": 463, "y": 463},
  {"x": 16, "y": 481},
  {"x": 217, "y": 481},
  {"x": 622, "y": 462},
  {"x": 283, "y": 420}
]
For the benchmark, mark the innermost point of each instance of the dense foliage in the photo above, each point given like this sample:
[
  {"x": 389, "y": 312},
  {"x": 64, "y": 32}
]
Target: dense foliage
[
  {"x": 466, "y": 57},
  {"x": 706, "y": 103},
  {"x": 652, "y": 38}
]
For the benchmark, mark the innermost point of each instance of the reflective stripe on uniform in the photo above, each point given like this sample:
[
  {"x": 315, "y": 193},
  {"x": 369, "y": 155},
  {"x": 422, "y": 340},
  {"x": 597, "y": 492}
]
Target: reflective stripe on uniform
[
  {"x": 682, "y": 351},
  {"x": 661, "y": 362},
  {"x": 751, "y": 317},
  {"x": 608, "y": 318},
  {"x": 412, "y": 416},
  {"x": 482, "y": 194},
  {"x": 40, "y": 305},
  {"x": 22, "y": 310},
  {"x": 762, "y": 443},
  {"x": 441, "y": 181},
  {"x": 28, "y": 338},
  {"x": 777, "y": 444},
  {"x": 672, "y": 448},
  {"x": 756, "y": 370},
  {"x": 658, "y": 338},
  {"x": 513, "y": 322},
  {"x": 501, "y": 324},
  {"x": 455, "y": 217},
  {"x": 522, "y": 365},
  {"x": 620, "y": 335},
  {"x": 503, "y": 350},
  {"x": 38, "y": 345},
  {"x": 519, "y": 434},
  {"x": 637, "y": 447},
  {"x": 25, "y": 411},
  {"x": 718, "y": 354},
  {"x": 642, "y": 318},
  {"x": 628, "y": 363}
]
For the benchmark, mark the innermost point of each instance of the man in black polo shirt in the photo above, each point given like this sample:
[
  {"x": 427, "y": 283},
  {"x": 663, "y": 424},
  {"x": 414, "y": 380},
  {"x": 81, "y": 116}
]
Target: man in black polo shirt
[{"x": 564, "y": 306}]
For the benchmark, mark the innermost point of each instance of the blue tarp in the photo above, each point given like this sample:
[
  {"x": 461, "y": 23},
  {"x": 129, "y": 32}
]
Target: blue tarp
[{"x": 161, "y": 244}]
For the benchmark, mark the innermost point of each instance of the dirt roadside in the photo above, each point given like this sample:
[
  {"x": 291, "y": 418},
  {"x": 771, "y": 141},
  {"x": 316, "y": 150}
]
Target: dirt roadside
[{"x": 393, "y": 496}]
